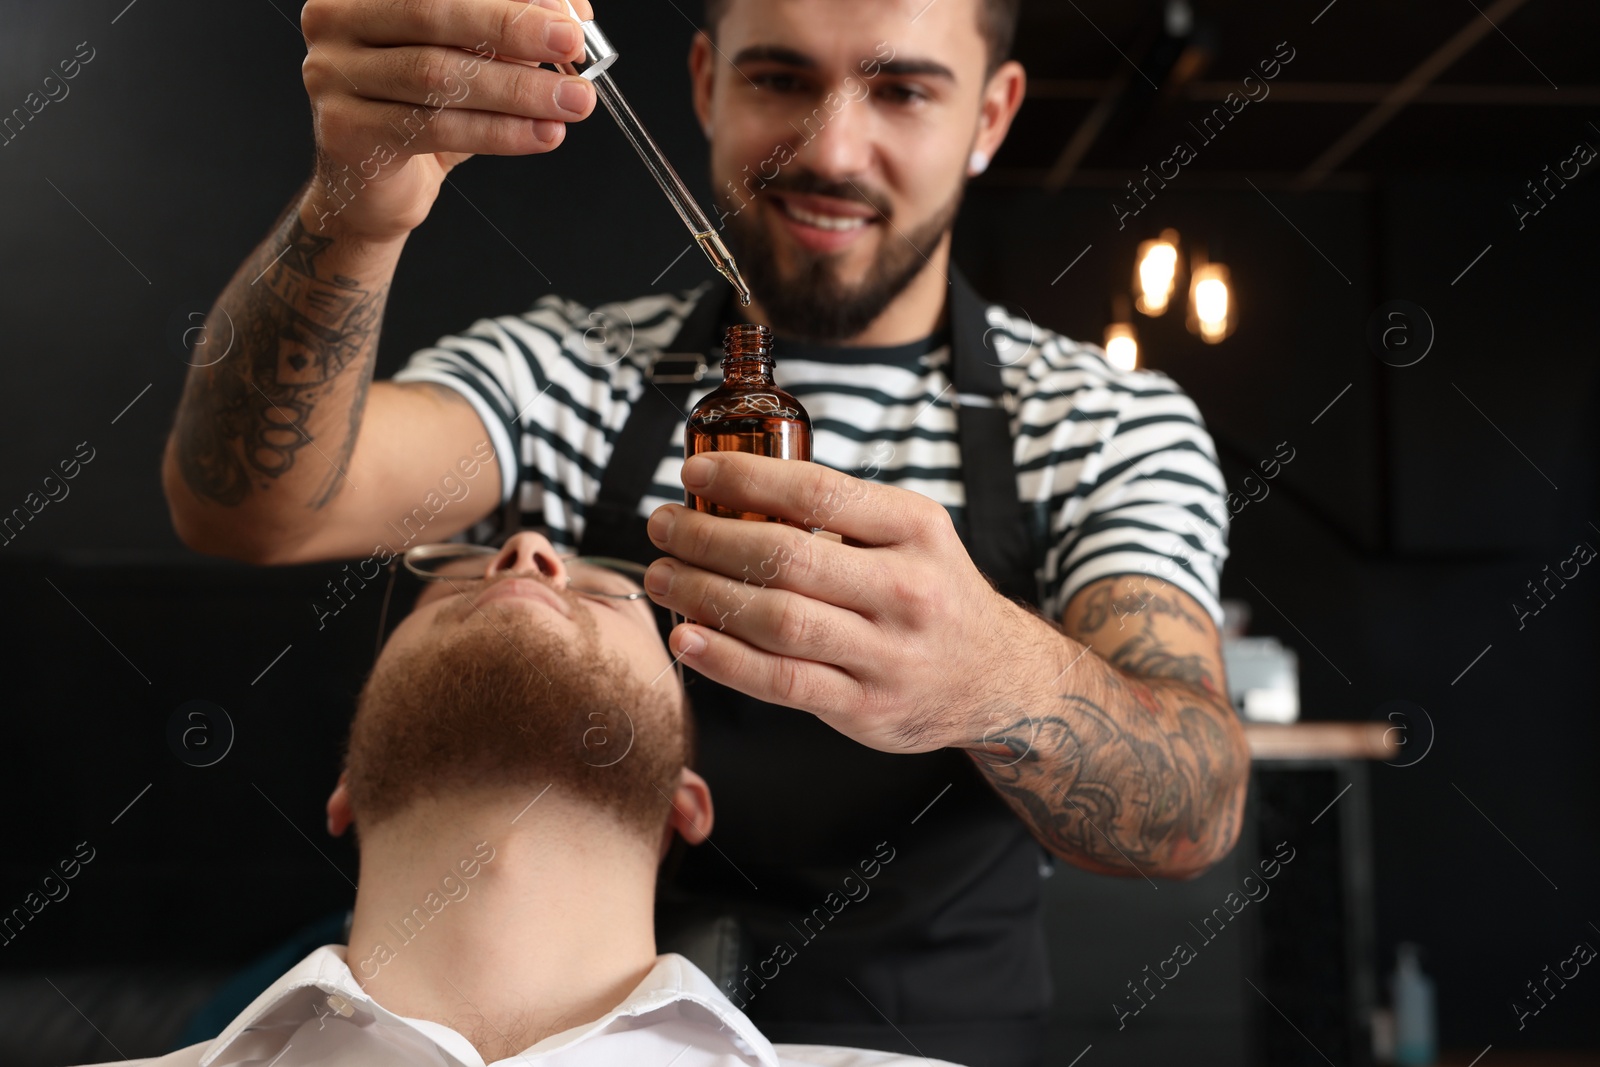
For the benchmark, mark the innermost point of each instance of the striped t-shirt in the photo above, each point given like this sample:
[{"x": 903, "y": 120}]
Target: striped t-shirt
[{"x": 1115, "y": 468}]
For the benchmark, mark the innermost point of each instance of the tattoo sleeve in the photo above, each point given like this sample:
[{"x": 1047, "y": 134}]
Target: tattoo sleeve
[
  {"x": 304, "y": 339},
  {"x": 1135, "y": 764},
  {"x": 1145, "y": 654}
]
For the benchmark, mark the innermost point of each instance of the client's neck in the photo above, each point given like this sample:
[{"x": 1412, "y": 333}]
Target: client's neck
[{"x": 506, "y": 931}]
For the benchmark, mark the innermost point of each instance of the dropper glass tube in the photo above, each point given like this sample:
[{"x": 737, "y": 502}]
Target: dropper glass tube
[{"x": 599, "y": 55}]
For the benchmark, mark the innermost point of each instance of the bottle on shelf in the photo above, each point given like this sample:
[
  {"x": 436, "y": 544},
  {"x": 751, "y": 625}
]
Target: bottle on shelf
[{"x": 1415, "y": 1038}]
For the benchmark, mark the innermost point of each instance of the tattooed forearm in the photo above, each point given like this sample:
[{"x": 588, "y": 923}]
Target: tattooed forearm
[
  {"x": 1122, "y": 752},
  {"x": 300, "y": 334},
  {"x": 1158, "y": 794}
]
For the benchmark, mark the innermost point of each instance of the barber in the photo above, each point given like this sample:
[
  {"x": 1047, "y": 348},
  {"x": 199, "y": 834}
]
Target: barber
[{"x": 1012, "y": 652}]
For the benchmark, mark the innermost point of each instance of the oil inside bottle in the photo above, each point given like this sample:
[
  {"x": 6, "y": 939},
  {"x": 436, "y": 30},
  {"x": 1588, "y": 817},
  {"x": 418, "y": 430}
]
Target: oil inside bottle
[{"x": 746, "y": 413}]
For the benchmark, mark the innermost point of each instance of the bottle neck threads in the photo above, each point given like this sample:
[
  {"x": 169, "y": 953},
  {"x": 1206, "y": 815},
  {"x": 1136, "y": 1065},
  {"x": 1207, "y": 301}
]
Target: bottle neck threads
[{"x": 747, "y": 352}]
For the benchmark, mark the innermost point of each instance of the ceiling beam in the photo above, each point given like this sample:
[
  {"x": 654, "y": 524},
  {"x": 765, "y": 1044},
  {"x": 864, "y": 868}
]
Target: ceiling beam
[
  {"x": 1085, "y": 178},
  {"x": 1346, "y": 93},
  {"x": 1404, "y": 91},
  {"x": 1088, "y": 130}
]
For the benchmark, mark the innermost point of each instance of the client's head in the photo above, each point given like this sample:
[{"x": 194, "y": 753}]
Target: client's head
[{"x": 515, "y": 673}]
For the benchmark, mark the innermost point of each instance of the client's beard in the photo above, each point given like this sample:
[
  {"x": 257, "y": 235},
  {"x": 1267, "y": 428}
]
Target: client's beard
[
  {"x": 812, "y": 303},
  {"x": 471, "y": 715}
]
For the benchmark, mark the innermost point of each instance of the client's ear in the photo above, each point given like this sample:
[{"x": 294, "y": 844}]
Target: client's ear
[
  {"x": 691, "y": 810},
  {"x": 339, "y": 814}
]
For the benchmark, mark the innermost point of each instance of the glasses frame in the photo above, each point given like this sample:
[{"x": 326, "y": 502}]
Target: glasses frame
[{"x": 464, "y": 550}]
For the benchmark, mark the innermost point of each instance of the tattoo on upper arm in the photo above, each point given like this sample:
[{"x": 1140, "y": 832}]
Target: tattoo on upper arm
[
  {"x": 1144, "y": 653},
  {"x": 243, "y": 420},
  {"x": 1100, "y": 606}
]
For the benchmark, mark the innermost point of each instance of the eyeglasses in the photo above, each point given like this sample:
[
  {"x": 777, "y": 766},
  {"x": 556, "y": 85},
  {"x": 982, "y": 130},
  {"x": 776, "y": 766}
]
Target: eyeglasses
[
  {"x": 598, "y": 577},
  {"x": 593, "y": 576}
]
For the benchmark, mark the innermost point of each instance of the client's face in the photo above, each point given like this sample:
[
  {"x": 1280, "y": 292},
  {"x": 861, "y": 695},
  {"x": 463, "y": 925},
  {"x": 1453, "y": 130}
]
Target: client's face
[{"x": 511, "y": 683}]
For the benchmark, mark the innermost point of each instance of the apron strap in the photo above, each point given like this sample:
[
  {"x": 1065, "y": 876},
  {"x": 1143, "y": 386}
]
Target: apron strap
[
  {"x": 612, "y": 526},
  {"x": 996, "y": 533}
]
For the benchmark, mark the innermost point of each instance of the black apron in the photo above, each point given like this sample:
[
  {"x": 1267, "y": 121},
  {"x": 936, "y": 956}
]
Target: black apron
[{"x": 865, "y": 885}]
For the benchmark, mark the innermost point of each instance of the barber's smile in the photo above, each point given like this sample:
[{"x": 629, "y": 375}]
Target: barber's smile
[{"x": 823, "y": 224}]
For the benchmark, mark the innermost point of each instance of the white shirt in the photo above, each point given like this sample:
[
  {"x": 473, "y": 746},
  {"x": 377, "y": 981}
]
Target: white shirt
[{"x": 317, "y": 1014}]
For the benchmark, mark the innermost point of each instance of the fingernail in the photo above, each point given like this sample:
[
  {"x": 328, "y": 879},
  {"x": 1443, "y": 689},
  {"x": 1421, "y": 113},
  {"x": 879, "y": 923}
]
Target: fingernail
[
  {"x": 697, "y": 472},
  {"x": 553, "y": 5},
  {"x": 573, "y": 95},
  {"x": 561, "y": 36},
  {"x": 658, "y": 579},
  {"x": 690, "y": 643},
  {"x": 547, "y": 130},
  {"x": 660, "y": 525}
]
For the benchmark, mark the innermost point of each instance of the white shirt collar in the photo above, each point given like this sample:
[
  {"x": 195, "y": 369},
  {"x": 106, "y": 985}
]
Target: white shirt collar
[{"x": 314, "y": 986}]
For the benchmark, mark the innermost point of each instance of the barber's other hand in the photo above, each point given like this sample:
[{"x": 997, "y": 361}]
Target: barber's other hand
[
  {"x": 402, "y": 92},
  {"x": 892, "y": 636}
]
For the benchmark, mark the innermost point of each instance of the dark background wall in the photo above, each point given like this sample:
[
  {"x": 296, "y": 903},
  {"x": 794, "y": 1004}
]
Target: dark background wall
[{"x": 1388, "y": 553}]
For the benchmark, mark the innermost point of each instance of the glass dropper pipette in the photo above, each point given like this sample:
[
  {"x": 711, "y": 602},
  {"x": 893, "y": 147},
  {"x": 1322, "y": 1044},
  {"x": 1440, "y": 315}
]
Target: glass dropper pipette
[{"x": 599, "y": 54}]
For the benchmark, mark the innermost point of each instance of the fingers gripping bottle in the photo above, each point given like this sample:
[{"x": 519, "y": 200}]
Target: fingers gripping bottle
[{"x": 746, "y": 413}]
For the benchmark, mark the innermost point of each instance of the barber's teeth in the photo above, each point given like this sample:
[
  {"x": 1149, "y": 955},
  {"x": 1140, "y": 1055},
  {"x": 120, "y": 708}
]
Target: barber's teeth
[{"x": 823, "y": 222}]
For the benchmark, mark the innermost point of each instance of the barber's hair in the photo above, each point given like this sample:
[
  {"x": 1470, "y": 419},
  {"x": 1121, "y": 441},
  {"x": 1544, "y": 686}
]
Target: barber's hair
[{"x": 997, "y": 21}]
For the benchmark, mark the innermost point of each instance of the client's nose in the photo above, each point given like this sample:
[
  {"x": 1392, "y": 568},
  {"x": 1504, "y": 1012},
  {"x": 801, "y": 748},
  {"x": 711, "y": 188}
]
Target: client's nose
[{"x": 529, "y": 553}]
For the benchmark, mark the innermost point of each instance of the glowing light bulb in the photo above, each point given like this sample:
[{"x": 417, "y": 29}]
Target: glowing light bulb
[
  {"x": 1211, "y": 302},
  {"x": 1157, "y": 273},
  {"x": 1212, "y": 315},
  {"x": 1122, "y": 346}
]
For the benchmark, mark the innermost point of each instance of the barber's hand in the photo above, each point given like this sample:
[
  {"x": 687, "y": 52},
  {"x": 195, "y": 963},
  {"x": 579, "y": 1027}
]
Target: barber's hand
[
  {"x": 891, "y": 636},
  {"x": 460, "y": 72}
]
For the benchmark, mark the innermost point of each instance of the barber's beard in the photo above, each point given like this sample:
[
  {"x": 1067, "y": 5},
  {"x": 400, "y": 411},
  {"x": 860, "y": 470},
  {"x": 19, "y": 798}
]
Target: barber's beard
[
  {"x": 507, "y": 709},
  {"x": 810, "y": 301}
]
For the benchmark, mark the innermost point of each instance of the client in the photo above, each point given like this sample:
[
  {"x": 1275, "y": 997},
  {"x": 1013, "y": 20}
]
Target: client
[{"x": 516, "y": 773}]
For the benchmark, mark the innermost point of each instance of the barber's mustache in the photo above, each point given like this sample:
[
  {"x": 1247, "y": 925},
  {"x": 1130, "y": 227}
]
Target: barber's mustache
[{"x": 808, "y": 183}]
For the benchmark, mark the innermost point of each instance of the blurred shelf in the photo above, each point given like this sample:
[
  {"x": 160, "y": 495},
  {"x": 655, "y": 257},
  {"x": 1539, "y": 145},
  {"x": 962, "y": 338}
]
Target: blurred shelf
[
  {"x": 1320, "y": 740},
  {"x": 1520, "y": 1058}
]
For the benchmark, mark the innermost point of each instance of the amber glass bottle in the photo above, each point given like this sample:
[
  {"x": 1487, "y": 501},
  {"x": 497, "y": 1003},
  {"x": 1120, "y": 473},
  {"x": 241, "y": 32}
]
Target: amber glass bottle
[{"x": 747, "y": 412}]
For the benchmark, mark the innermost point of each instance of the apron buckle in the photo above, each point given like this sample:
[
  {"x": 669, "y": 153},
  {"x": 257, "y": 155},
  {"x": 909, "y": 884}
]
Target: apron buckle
[{"x": 679, "y": 368}]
